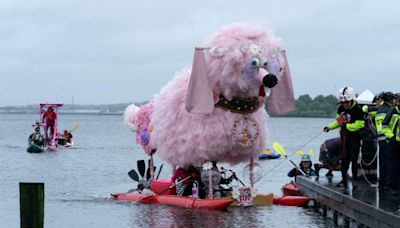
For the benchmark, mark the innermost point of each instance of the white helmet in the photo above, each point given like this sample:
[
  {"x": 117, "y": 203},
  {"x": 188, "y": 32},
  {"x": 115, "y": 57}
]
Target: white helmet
[{"x": 346, "y": 94}]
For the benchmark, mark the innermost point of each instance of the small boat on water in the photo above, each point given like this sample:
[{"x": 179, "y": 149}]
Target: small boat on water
[
  {"x": 291, "y": 189},
  {"x": 292, "y": 196},
  {"x": 33, "y": 148},
  {"x": 299, "y": 201},
  {"x": 268, "y": 154}
]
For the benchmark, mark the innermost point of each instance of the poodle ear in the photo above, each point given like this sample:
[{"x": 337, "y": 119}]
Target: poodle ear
[
  {"x": 199, "y": 97},
  {"x": 281, "y": 100}
]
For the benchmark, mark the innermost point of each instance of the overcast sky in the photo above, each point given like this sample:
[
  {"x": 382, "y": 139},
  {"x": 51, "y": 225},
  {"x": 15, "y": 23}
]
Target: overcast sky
[{"x": 102, "y": 51}]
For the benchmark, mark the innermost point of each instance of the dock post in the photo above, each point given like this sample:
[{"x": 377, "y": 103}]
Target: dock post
[
  {"x": 335, "y": 217},
  {"x": 346, "y": 221},
  {"x": 31, "y": 201},
  {"x": 324, "y": 211}
]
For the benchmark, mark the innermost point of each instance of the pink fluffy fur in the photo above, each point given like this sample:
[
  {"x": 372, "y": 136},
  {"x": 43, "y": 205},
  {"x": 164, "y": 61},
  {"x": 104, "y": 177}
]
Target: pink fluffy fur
[{"x": 182, "y": 138}]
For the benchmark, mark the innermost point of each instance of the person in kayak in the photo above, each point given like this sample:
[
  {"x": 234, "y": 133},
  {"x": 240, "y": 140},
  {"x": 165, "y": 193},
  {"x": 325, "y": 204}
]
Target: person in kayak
[
  {"x": 49, "y": 118},
  {"x": 67, "y": 136},
  {"x": 185, "y": 188},
  {"x": 305, "y": 165},
  {"x": 36, "y": 138},
  {"x": 350, "y": 118}
]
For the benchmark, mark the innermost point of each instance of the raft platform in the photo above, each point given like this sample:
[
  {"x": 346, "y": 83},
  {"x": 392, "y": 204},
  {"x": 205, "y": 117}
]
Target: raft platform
[{"x": 364, "y": 206}]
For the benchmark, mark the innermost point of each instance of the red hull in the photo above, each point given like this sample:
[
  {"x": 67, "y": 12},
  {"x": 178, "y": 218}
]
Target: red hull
[
  {"x": 180, "y": 201},
  {"x": 300, "y": 201},
  {"x": 291, "y": 189}
]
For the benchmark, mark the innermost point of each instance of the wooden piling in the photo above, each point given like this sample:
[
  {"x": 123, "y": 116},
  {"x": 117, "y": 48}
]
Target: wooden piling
[{"x": 31, "y": 201}]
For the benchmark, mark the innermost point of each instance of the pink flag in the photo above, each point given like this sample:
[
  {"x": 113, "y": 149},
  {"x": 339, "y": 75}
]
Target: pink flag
[
  {"x": 281, "y": 100},
  {"x": 199, "y": 96}
]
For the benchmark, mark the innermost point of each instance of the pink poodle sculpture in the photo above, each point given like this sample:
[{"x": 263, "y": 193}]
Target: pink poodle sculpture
[{"x": 216, "y": 110}]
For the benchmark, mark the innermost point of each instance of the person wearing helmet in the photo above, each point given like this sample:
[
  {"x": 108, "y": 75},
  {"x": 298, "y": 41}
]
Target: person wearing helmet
[
  {"x": 305, "y": 165},
  {"x": 350, "y": 119},
  {"x": 391, "y": 129},
  {"x": 384, "y": 159}
]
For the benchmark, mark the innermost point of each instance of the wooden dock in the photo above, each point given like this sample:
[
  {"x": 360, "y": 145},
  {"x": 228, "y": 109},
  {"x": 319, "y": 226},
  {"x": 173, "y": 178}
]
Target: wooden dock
[{"x": 363, "y": 206}]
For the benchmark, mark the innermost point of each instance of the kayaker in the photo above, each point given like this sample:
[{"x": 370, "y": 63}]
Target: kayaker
[
  {"x": 67, "y": 136},
  {"x": 36, "y": 138},
  {"x": 49, "y": 118},
  {"x": 351, "y": 119},
  {"x": 185, "y": 188},
  {"x": 305, "y": 165}
]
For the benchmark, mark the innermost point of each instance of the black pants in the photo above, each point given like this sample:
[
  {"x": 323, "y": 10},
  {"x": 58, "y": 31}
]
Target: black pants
[
  {"x": 393, "y": 162},
  {"x": 350, "y": 149},
  {"x": 383, "y": 161}
]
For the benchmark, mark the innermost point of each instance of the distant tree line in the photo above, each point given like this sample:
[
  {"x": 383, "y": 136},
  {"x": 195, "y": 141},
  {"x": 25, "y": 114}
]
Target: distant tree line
[{"x": 320, "y": 106}]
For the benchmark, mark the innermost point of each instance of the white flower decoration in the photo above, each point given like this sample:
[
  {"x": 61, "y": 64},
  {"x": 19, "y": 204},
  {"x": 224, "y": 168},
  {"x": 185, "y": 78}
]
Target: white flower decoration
[
  {"x": 256, "y": 50},
  {"x": 273, "y": 53},
  {"x": 217, "y": 52},
  {"x": 207, "y": 165}
]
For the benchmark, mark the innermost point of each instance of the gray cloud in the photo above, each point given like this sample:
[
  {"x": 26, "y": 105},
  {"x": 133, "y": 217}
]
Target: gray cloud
[{"x": 121, "y": 51}]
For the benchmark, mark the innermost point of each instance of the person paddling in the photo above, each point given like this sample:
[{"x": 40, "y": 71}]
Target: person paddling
[
  {"x": 36, "y": 138},
  {"x": 305, "y": 165}
]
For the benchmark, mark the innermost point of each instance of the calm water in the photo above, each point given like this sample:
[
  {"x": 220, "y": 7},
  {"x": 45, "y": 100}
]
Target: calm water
[{"x": 78, "y": 181}]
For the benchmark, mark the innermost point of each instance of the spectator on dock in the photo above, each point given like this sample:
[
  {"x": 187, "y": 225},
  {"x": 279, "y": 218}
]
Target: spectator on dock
[
  {"x": 384, "y": 159},
  {"x": 391, "y": 129},
  {"x": 350, "y": 119}
]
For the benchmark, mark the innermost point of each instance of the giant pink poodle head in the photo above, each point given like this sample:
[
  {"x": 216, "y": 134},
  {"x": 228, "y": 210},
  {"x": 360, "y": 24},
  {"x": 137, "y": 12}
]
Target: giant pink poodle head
[{"x": 238, "y": 61}]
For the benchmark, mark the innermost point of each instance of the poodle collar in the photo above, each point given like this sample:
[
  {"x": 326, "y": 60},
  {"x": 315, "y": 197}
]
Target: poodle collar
[{"x": 238, "y": 105}]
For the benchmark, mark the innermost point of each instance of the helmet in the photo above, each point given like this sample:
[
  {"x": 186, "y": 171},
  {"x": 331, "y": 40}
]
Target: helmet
[
  {"x": 387, "y": 96},
  {"x": 377, "y": 96},
  {"x": 345, "y": 94},
  {"x": 305, "y": 157}
]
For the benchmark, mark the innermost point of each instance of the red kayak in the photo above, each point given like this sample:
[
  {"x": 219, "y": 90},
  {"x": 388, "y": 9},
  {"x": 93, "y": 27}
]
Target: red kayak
[
  {"x": 291, "y": 189},
  {"x": 300, "y": 201},
  {"x": 180, "y": 201}
]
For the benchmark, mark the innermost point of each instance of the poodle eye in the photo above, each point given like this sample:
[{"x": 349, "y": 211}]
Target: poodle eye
[
  {"x": 265, "y": 63},
  {"x": 255, "y": 62}
]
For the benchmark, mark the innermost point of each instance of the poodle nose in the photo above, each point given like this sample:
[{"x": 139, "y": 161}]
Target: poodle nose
[{"x": 270, "y": 80}]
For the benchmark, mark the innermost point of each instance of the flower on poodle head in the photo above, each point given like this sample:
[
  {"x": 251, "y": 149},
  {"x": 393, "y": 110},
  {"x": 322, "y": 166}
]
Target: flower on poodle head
[{"x": 256, "y": 50}]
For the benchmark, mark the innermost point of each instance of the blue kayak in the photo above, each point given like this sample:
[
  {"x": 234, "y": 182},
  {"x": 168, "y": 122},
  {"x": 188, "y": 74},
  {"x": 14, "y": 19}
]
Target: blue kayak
[{"x": 269, "y": 154}]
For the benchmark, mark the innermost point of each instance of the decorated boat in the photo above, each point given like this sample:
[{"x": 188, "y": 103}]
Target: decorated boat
[
  {"x": 174, "y": 200},
  {"x": 214, "y": 113}
]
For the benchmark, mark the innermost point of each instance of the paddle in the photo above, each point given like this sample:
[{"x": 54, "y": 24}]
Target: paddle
[
  {"x": 279, "y": 148},
  {"x": 77, "y": 126},
  {"x": 133, "y": 174},
  {"x": 159, "y": 171},
  {"x": 150, "y": 199},
  {"x": 141, "y": 167}
]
